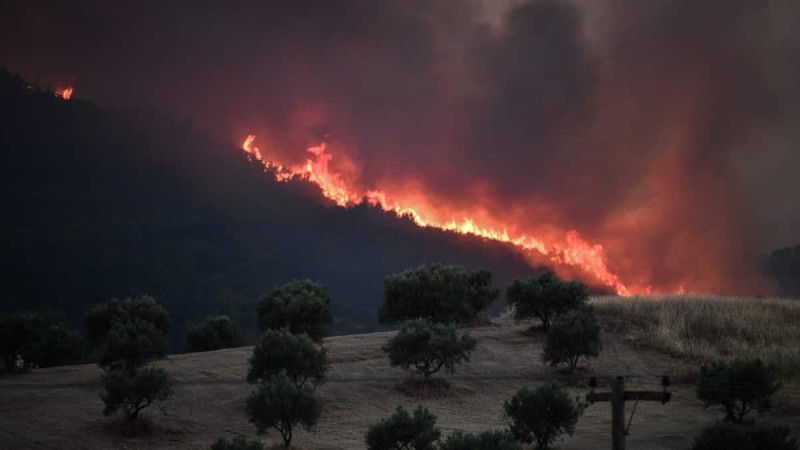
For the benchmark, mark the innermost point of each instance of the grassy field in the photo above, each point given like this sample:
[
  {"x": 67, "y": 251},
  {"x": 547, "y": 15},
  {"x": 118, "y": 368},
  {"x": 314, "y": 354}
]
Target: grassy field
[{"x": 696, "y": 329}]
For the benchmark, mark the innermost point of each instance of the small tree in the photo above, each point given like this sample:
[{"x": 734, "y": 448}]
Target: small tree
[
  {"x": 740, "y": 387},
  {"x": 294, "y": 354},
  {"x": 545, "y": 297},
  {"x": 237, "y": 443},
  {"x": 542, "y": 415},
  {"x": 215, "y": 333},
  {"x": 730, "y": 436},
  {"x": 574, "y": 335},
  {"x": 132, "y": 392},
  {"x": 280, "y": 404},
  {"x": 20, "y": 334},
  {"x": 440, "y": 293},
  {"x": 485, "y": 440},
  {"x": 429, "y": 347},
  {"x": 302, "y": 306},
  {"x": 102, "y": 318},
  {"x": 131, "y": 344},
  {"x": 60, "y": 346},
  {"x": 404, "y": 431}
]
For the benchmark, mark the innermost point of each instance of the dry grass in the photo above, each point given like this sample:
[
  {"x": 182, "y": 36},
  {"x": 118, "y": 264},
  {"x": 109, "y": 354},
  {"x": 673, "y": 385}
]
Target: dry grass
[{"x": 701, "y": 328}]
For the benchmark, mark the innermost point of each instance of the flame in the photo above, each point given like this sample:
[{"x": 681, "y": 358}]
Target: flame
[
  {"x": 571, "y": 250},
  {"x": 65, "y": 93}
]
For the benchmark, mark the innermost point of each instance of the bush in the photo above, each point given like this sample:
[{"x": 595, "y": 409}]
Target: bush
[
  {"x": 215, "y": 333},
  {"x": 404, "y": 431},
  {"x": 102, "y": 318},
  {"x": 545, "y": 298},
  {"x": 280, "y": 404},
  {"x": 439, "y": 293},
  {"x": 302, "y": 306},
  {"x": 740, "y": 387},
  {"x": 574, "y": 335},
  {"x": 131, "y": 344},
  {"x": 60, "y": 346},
  {"x": 296, "y": 355},
  {"x": 486, "y": 440},
  {"x": 729, "y": 436},
  {"x": 429, "y": 347},
  {"x": 20, "y": 334},
  {"x": 542, "y": 415},
  {"x": 237, "y": 443},
  {"x": 131, "y": 392}
]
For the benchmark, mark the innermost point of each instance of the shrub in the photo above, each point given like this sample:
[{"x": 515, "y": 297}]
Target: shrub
[
  {"x": 296, "y": 355},
  {"x": 404, "y": 431},
  {"x": 545, "y": 297},
  {"x": 280, "y": 404},
  {"x": 542, "y": 415},
  {"x": 429, "y": 347},
  {"x": 102, "y": 318},
  {"x": 440, "y": 293},
  {"x": 574, "y": 335},
  {"x": 20, "y": 334},
  {"x": 60, "y": 346},
  {"x": 131, "y": 344},
  {"x": 215, "y": 333},
  {"x": 302, "y": 306},
  {"x": 486, "y": 440},
  {"x": 739, "y": 387},
  {"x": 729, "y": 436},
  {"x": 131, "y": 392},
  {"x": 237, "y": 443}
]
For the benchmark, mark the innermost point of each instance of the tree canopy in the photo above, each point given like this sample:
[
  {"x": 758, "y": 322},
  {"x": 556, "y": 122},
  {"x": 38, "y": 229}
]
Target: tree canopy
[
  {"x": 102, "y": 318},
  {"x": 20, "y": 334},
  {"x": 134, "y": 391},
  {"x": 302, "y": 306},
  {"x": 295, "y": 355},
  {"x": 739, "y": 388},
  {"x": 485, "y": 440},
  {"x": 417, "y": 431},
  {"x": 574, "y": 335},
  {"x": 545, "y": 297},
  {"x": 215, "y": 333},
  {"x": 429, "y": 347},
  {"x": 542, "y": 415},
  {"x": 60, "y": 346},
  {"x": 281, "y": 404}
]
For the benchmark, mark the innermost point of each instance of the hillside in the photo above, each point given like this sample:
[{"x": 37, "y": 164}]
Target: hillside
[
  {"x": 60, "y": 407},
  {"x": 99, "y": 203}
]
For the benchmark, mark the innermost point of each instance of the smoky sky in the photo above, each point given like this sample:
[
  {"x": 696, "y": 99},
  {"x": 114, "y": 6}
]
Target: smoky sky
[{"x": 663, "y": 130}]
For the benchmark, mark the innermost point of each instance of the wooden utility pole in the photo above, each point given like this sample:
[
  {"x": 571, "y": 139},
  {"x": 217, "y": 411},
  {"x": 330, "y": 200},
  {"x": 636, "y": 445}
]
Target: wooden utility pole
[{"x": 617, "y": 398}]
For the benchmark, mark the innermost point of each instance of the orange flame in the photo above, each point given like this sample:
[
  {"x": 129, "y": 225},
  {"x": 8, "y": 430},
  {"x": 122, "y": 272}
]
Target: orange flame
[
  {"x": 572, "y": 250},
  {"x": 65, "y": 93}
]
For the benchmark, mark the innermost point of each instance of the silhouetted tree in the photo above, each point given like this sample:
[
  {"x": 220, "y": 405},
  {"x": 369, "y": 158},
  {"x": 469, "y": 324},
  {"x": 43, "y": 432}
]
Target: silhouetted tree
[
  {"x": 131, "y": 344},
  {"x": 439, "y": 293},
  {"x": 545, "y": 297},
  {"x": 730, "y": 436},
  {"x": 296, "y": 355},
  {"x": 102, "y": 318},
  {"x": 281, "y": 404},
  {"x": 404, "y": 431},
  {"x": 574, "y": 335},
  {"x": 429, "y": 347},
  {"x": 60, "y": 346},
  {"x": 236, "y": 443},
  {"x": 134, "y": 391},
  {"x": 20, "y": 334},
  {"x": 542, "y": 415},
  {"x": 302, "y": 306},
  {"x": 485, "y": 440},
  {"x": 739, "y": 387},
  {"x": 215, "y": 333}
]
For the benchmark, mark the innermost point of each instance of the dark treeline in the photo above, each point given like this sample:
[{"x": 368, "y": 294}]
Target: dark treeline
[
  {"x": 784, "y": 266},
  {"x": 99, "y": 204}
]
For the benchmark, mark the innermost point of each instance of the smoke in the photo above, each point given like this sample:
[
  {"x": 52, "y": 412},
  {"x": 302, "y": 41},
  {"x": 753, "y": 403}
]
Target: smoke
[{"x": 662, "y": 130}]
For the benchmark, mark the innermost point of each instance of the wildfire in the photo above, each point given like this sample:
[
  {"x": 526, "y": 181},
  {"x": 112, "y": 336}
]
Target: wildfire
[
  {"x": 65, "y": 93},
  {"x": 572, "y": 250}
]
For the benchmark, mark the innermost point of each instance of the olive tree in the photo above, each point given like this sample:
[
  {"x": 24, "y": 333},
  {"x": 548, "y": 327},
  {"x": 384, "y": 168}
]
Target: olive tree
[
  {"x": 295, "y": 355},
  {"x": 542, "y": 415},
  {"x": 281, "y": 404},
  {"x": 20, "y": 334},
  {"x": 302, "y": 306},
  {"x": 439, "y": 293},
  {"x": 134, "y": 391},
  {"x": 574, "y": 335},
  {"x": 131, "y": 344},
  {"x": 236, "y": 443},
  {"x": 545, "y": 297},
  {"x": 730, "y": 436},
  {"x": 215, "y": 333},
  {"x": 740, "y": 387},
  {"x": 102, "y": 318},
  {"x": 429, "y": 347},
  {"x": 406, "y": 431},
  {"x": 485, "y": 440},
  {"x": 59, "y": 346}
]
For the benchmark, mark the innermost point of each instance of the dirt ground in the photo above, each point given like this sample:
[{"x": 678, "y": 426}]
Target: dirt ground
[{"x": 60, "y": 408}]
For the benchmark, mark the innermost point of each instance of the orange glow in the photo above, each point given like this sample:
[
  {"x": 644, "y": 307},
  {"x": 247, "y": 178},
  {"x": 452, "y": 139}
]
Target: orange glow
[
  {"x": 563, "y": 249},
  {"x": 65, "y": 93}
]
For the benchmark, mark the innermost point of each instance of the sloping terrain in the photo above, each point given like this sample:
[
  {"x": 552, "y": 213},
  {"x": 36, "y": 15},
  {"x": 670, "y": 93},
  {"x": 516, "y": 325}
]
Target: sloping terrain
[{"x": 60, "y": 407}]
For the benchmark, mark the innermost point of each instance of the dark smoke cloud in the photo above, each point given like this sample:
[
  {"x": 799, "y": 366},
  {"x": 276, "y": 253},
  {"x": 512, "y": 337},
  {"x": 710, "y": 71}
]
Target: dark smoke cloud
[{"x": 662, "y": 129}]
